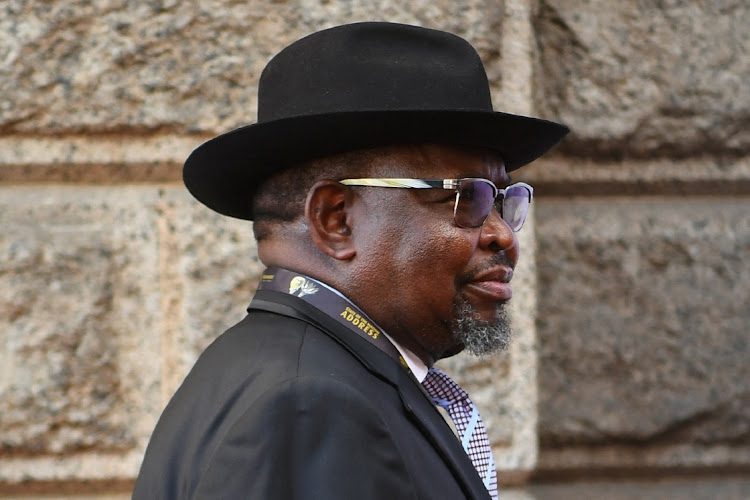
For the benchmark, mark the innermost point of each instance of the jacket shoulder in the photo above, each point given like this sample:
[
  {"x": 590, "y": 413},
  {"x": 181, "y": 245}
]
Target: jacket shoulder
[{"x": 296, "y": 434}]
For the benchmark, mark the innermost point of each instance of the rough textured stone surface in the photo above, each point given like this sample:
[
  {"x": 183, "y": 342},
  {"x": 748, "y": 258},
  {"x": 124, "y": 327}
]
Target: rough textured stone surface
[
  {"x": 693, "y": 176},
  {"x": 640, "y": 459},
  {"x": 726, "y": 488},
  {"x": 95, "y": 153},
  {"x": 643, "y": 322},
  {"x": 177, "y": 66},
  {"x": 643, "y": 78},
  {"x": 79, "y": 303},
  {"x": 214, "y": 275}
]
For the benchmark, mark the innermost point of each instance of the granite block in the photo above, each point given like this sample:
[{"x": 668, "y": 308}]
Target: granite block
[
  {"x": 80, "y": 305},
  {"x": 115, "y": 66},
  {"x": 644, "y": 79},
  {"x": 643, "y": 328}
]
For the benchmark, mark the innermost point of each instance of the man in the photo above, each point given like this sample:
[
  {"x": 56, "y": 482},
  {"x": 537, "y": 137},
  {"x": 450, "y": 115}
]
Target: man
[{"x": 377, "y": 180}]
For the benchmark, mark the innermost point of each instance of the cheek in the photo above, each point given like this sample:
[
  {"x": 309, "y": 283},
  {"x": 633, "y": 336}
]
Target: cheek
[{"x": 436, "y": 260}]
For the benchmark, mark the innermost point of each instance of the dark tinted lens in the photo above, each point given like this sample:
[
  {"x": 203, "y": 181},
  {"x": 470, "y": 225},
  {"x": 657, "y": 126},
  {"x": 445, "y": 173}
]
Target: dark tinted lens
[
  {"x": 515, "y": 206},
  {"x": 475, "y": 199}
]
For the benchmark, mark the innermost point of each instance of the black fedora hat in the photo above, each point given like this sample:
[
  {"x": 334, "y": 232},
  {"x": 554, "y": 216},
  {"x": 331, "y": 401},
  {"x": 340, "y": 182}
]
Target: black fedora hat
[{"x": 357, "y": 86}]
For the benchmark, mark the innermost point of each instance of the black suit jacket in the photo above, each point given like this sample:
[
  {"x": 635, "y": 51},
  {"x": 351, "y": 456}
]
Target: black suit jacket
[{"x": 289, "y": 404}]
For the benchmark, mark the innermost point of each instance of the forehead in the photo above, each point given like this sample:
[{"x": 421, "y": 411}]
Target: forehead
[{"x": 445, "y": 161}]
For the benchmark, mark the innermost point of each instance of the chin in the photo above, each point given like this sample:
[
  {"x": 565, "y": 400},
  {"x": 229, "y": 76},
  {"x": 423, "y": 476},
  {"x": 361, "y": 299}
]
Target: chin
[{"x": 480, "y": 336}]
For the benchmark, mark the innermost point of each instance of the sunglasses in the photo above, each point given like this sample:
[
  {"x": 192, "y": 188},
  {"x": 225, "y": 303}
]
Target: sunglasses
[{"x": 474, "y": 198}]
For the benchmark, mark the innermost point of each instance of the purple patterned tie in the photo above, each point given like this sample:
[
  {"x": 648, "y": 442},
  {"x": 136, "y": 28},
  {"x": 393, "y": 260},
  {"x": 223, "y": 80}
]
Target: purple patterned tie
[{"x": 447, "y": 393}]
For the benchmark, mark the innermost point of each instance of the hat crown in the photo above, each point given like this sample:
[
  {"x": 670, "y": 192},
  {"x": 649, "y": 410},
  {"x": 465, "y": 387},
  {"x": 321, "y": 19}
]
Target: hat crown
[
  {"x": 373, "y": 67},
  {"x": 360, "y": 86}
]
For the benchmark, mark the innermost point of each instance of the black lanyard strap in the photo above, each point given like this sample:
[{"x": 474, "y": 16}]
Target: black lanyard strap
[{"x": 331, "y": 303}]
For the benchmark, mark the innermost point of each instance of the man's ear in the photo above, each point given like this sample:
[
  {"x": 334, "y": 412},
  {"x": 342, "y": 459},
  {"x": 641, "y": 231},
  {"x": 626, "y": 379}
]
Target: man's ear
[{"x": 328, "y": 217}]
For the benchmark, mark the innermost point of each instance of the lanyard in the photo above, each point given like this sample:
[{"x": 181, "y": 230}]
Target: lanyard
[{"x": 331, "y": 303}]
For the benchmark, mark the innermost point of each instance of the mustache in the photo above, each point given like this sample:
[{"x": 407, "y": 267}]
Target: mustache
[{"x": 498, "y": 260}]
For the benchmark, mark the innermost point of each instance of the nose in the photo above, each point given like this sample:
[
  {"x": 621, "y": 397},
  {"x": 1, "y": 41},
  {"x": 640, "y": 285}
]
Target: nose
[{"x": 496, "y": 236}]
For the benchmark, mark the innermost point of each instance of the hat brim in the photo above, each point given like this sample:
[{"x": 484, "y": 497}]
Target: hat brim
[{"x": 225, "y": 172}]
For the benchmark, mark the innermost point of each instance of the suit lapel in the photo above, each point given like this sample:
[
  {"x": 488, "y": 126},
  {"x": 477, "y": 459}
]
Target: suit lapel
[{"x": 416, "y": 402}]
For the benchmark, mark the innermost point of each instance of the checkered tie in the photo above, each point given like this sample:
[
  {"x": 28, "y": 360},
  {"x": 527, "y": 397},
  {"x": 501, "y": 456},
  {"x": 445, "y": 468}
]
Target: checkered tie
[{"x": 447, "y": 393}]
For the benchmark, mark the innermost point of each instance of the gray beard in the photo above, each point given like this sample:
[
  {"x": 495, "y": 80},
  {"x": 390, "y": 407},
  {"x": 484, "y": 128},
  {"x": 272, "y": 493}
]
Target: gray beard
[{"x": 481, "y": 337}]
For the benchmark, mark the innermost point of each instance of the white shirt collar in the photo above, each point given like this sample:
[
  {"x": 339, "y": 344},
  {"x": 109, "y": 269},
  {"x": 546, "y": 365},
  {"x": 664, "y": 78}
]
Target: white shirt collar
[{"x": 416, "y": 365}]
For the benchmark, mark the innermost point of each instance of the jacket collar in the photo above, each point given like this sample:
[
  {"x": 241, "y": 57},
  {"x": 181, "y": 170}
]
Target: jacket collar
[{"x": 413, "y": 396}]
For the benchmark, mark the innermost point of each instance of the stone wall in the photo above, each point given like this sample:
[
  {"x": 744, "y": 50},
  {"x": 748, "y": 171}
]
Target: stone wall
[
  {"x": 113, "y": 279},
  {"x": 643, "y": 238}
]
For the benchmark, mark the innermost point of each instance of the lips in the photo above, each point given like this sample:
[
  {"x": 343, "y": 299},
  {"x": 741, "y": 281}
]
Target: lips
[{"x": 493, "y": 284}]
